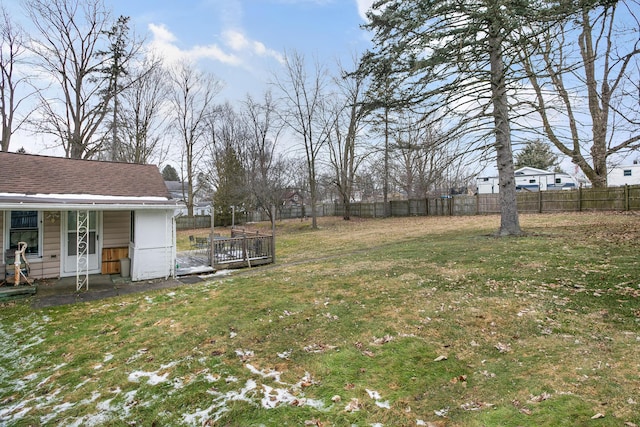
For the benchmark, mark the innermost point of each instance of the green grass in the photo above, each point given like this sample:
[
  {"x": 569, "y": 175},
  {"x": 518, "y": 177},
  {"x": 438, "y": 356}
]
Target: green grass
[{"x": 415, "y": 320}]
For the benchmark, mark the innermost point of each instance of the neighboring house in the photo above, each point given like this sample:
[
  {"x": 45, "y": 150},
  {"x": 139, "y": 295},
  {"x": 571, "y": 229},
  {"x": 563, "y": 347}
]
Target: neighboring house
[
  {"x": 530, "y": 179},
  {"x": 177, "y": 189},
  {"x": 624, "y": 175},
  {"x": 129, "y": 209},
  {"x": 292, "y": 198}
]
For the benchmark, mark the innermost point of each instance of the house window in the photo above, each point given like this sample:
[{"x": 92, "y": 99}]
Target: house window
[
  {"x": 25, "y": 226},
  {"x": 558, "y": 180},
  {"x": 532, "y": 181},
  {"x": 627, "y": 172},
  {"x": 72, "y": 233}
]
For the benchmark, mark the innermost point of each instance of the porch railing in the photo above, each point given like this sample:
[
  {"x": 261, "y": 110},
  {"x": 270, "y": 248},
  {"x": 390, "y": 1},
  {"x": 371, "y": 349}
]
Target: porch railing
[{"x": 242, "y": 249}]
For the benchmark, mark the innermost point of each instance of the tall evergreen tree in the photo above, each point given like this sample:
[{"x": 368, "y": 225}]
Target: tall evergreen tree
[
  {"x": 169, "y": 173},
  {"x": 448, "y": 58},
  {"x": 536, "y": 154}
]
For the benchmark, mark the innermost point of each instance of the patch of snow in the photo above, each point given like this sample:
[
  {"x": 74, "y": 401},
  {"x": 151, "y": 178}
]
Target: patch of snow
[
  {"x": 212, "y": 378},
  {"x": 265, "y": 374},
  {"x": 383, "y": 405},
  {"x": 55, "y": 411},
  {"x": 219, "y": 406},
  {"x": 373, "y": 394},
  {"x": 284, "y": 354},
  {"x": 153, "y": 377},
  {"x": 244, "y": 354}
]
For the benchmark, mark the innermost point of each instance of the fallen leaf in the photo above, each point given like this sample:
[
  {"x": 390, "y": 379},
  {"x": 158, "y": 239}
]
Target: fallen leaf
[
  {"x": 459, "y": 378},
  {"x": 503, "y": 348},
  {"x": 597, "y": 416},
  {"x": 353, "y": 405},
  {"x": 440, "y": 358},
  {"x": 442, "y": 412},
  {"x": 383, "y": 340},
  {"x": 540, "y": 397},
  {"x": 476, "y": 406},
  {"x": 336, "y": 398}
]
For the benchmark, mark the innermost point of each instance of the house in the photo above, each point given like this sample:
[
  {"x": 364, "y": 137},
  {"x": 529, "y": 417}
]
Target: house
[
  {"x": 292, "y": 198},
  {"x": 624, "y": 175},
  {"x": 530, "y": 179},
  {"x": 177, "y": 189},
  {"x": 80, "y": 217}
]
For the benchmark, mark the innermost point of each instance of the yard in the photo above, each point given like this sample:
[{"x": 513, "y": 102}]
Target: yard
[{"x": 382, "y": 322}]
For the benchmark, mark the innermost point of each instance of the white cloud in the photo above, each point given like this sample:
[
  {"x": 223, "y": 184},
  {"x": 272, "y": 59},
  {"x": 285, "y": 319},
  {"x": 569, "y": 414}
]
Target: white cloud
[
  {"x": 164, "y": 42},
  {"x": 363, "y": 7},
  {"x": 237, "y": 41},
  {"x": 236, "y": 49}
]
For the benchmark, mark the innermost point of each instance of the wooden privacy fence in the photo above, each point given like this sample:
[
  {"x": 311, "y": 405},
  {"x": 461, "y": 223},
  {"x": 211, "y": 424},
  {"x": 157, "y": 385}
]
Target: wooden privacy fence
[
  {"x": 626, "y": 198},
  {"x": 242, "y": 249},
  {"x": 191, "y": 222}
]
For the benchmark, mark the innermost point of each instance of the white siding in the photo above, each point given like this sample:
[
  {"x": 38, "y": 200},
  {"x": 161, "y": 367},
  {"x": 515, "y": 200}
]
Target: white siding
[
  {"x": 152, "y": 251},
  {"x": 116, "y": 228},
  {"x": 617, "y": 176}
]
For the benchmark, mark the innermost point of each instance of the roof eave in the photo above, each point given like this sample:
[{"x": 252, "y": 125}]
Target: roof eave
[{"x": 23, "y": 205}]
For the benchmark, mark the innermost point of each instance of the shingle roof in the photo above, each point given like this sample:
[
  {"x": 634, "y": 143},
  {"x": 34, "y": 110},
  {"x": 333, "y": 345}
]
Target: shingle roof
[{"x": 33, "y": 174}]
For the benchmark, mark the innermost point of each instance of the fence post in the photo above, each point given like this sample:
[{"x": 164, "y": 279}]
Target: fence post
[
  {"x": 580, "y": 199},
  {"x": 273, "y": 234},
  {"x": 626, "y": 197},
  {"x": 539, "y": 200}
]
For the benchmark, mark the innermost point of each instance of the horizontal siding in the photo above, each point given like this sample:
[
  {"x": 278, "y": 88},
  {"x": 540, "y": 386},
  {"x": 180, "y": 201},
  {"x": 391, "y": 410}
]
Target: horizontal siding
[
  {"x": 50, "y": 266},
  {"x": 116, "y": 228},
  {"x": 2, "y": 245}
]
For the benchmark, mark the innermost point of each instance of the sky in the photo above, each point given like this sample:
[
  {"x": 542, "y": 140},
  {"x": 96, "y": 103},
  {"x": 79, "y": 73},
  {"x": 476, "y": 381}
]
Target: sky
[{"x": 241, "y": 42}]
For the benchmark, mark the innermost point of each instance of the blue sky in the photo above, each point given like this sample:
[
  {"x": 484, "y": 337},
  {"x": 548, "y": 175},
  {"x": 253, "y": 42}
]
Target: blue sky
[{"x": 242, "y": 42}]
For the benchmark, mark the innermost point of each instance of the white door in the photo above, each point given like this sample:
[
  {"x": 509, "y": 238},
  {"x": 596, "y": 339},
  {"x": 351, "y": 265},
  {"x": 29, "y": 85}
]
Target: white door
[{"x": 70, "y": 242}]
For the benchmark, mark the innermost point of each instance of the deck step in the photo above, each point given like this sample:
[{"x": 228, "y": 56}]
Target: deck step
[{"x": 21, "y": 291}]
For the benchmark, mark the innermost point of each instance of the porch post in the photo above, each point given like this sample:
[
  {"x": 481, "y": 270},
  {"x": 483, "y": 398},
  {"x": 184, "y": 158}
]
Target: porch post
[
  {"x": 82, "y": 250},
  {"x": 212, "y": 243}
]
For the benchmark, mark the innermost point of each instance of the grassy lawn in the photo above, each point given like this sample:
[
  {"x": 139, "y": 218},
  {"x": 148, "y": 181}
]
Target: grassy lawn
[{"x": 385, "y": 322}]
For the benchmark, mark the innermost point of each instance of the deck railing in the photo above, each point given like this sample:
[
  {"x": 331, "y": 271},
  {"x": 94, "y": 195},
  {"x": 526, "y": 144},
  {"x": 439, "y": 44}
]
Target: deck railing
[{"x": 242, "y": 249}]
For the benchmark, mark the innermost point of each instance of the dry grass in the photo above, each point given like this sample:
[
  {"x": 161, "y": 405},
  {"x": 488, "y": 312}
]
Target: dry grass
[{"x": 421, "y": 321}]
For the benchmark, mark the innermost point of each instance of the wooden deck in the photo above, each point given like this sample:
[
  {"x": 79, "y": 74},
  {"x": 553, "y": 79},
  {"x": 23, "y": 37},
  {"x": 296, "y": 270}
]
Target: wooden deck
[
  {"x": 9, "y": 292},
  {"x": 242, "y": 249}
]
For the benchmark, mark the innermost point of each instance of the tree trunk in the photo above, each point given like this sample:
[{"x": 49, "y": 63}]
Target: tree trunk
[{"x": 509, "y": 222}]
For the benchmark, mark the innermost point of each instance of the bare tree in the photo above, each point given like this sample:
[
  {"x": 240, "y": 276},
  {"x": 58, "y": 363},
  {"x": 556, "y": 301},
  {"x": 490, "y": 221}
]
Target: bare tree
[
  {"x": 265, "y": 168},
  {"x": 587, "y": 87},
  {"x": 70, "y": 36},
  {"x": 304, "y": 98},
  {"x": 347, "y": 114},
  {"x": 122, "y": 48},
  {"x": 420, "y": 157},
  {"x": 227, "y": 139},
  {"x": 142, "y": 114},
  {"x": 192, "y": 97},
  {"x": 12, "y": 49}
]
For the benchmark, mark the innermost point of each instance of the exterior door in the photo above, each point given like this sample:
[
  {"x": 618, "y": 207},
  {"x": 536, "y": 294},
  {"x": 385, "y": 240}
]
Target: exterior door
[{"x": 70, "y": 242}]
